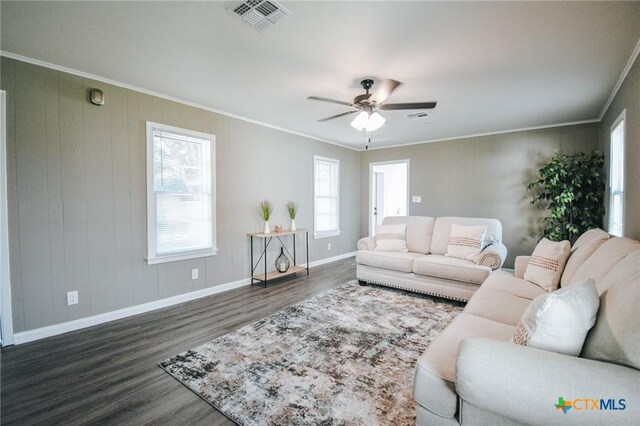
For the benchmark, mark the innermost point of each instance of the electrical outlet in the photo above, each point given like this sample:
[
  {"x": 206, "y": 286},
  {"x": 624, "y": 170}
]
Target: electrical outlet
[
  {"x": 72, "y": 298},
  {"x": 416, "y": 198},
  {"x": 328, "y": 246},
  {"x": 194, "y": 274}
]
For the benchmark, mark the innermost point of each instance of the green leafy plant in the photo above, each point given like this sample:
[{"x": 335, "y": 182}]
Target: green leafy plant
[
  {"x": 571, "y": 188},
  {"x": 265, "y": 210},
  {"x": 292, "y": 208}
]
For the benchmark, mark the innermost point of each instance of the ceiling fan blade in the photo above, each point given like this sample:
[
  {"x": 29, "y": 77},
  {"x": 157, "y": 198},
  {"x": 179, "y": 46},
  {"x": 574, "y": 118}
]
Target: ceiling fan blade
[
  {"x": 338, "y": 115},
  {"x": 333, "y": 101},
  {"x": 385, "y": 89},
  {"x": 413, "y": 105}
]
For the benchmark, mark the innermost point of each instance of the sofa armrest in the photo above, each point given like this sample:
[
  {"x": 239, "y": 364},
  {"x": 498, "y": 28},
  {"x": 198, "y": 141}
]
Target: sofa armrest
[
  {"x": 367, "y": 243},
  {"x": 521, "y": 266},
  {"x": 492, "y": 256},
  {"x": 524, "y": 384}
]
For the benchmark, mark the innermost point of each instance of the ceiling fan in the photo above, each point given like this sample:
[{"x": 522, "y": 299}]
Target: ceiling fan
[{"x": 369, "y": 104}]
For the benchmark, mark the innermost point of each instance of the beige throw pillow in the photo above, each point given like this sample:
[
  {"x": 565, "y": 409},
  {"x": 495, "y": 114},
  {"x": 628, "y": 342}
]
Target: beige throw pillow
[
  {"x": 466, "y": 242},
  {"x": 391, "y": 238},
  {"x": 559, "y": 321},
  {"x": 547, "y": 263}
]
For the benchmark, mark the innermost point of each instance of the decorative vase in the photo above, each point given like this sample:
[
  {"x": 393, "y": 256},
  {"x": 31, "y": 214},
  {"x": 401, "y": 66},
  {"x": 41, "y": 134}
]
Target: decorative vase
[
  {"x": 282, "y": 262},
  {"x": 266, "y": 227},
  {"x": 293, "y": 224}
]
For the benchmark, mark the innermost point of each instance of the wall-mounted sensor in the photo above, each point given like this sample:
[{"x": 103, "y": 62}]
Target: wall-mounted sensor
[{"x": 96, "y": 96}]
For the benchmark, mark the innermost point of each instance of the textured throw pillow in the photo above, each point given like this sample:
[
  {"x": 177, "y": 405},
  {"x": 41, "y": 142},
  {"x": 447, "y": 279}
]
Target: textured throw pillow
[
  {"x": 547, "y": 263},
  {"x": 559, "y": 321},
  {"x": 466, "y": 242},
  {"x": 391, "y": 238}
]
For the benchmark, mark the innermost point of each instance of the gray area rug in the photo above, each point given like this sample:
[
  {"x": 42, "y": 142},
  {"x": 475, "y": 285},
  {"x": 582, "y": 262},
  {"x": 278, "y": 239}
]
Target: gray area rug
[{"x": 344, "y": 357}]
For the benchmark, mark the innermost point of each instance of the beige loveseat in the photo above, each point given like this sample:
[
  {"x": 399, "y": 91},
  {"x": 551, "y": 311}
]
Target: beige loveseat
[
  {"x": 425, "y": 268},
  {"x": 472, "y": 374}
]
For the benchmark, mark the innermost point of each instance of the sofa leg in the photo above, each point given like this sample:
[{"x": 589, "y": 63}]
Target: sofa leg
[{"x": 362, "y": 282}]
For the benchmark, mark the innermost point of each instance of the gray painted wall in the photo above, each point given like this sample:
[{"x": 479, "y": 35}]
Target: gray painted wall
[
  {"x": 628, "y": 97},
  {"x": 77, "y": 204},
  {"x": 481, "y": 177}
]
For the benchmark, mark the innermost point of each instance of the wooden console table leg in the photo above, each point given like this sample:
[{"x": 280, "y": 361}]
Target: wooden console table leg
[
  {"x": 307, "y": 238},
  {"x": 252, "y": 268},
  {"x": 265, "y": 262}
]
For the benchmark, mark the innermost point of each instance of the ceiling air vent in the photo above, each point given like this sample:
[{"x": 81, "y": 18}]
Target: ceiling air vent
[
  {"x": 422, "y": 116},
  {"x": 260, "y": 14}
]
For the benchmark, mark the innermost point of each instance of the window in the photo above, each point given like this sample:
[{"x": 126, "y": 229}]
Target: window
[
  {"x": 326, "y": 178},
  {"x": 180, "y": 194},
  {"x": 616, "y": 178}
]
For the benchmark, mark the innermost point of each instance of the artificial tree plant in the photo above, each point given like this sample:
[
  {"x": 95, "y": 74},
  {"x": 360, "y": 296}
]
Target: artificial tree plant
[{"x": 571, "y": 188}]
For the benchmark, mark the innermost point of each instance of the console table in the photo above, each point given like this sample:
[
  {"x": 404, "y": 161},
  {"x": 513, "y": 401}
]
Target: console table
[{"x": 265, "y": 276}]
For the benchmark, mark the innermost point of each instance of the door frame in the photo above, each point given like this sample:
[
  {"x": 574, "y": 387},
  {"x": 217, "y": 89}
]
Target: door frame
[
  {"x": 5, "y": 277},
  {"x": 370, "y": 225}
]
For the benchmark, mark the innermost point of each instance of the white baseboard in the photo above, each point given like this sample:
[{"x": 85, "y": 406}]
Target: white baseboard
[
  {"x": 65, "y": 327},
  {"x": 331, "y": 259}
]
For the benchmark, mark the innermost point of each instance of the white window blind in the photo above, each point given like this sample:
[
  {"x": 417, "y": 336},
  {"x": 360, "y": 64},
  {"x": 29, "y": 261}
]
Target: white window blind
[
  {"x": 326, "y": 197},
  {"x": 181, "y": 194},
  {"x": 616, "y": 178}
]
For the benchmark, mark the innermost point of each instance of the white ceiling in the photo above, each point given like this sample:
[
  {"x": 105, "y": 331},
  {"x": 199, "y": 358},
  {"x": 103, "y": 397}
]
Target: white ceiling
[{"x": 491, "y": 66}]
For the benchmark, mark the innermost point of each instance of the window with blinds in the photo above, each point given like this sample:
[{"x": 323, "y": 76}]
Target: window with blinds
[
  {"x": 180, "y": 194},
  {"x": 326, "y": 177},
  {"x": 616, "y": 178}
]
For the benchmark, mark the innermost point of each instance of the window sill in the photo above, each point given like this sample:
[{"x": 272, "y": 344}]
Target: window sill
[
  {"x": 154, "y": 260},
  {"x": 326, "y": 235}
]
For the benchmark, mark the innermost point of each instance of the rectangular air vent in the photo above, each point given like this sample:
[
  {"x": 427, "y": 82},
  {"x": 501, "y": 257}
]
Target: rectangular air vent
[
  {"x": 422, "y": 116},
  {"x": 260, "y": 14}
]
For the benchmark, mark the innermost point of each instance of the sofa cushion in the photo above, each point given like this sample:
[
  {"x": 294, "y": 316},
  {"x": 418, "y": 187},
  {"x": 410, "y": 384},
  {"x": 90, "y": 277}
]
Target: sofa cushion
[
  {"x": 615, "y": 336},
  {"x": 434, "y": 384},
  {"x": 397, "y": 261},
  {"x": 547, "y": 263},
  {"x": 604, "y": 259},
  {"x": 391, "y": 238},
  {"x": 625, "y": 270},
  {"x": 584, "y": 247},
  {"x": 506, "y": 282},
  {"x": 497, "y": 305},
  {"x": 559, "y": 321},
  {"x": 419, "y": 231},
  {"x": 442, "y": 229},
  {"x": 451, "y": 268}
]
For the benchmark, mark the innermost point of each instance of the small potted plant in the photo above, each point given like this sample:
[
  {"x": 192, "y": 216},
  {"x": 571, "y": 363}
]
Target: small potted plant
[
  {"x": 265, "y": 211},
  {"x": 292, "y": 208}
]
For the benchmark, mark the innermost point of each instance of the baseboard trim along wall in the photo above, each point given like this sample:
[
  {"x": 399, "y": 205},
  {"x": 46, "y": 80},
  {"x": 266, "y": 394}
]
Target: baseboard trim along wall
[{"x": 65, "y": 327}]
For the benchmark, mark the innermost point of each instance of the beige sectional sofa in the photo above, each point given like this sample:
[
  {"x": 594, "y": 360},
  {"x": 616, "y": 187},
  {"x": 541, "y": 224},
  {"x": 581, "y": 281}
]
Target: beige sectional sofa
[
  {"x": 472, "y": 374},
  {"x": 425, "y": 268}
]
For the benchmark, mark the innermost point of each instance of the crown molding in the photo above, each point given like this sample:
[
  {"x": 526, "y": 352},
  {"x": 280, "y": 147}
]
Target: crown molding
[
  {"x": 67, "y": 70},
  {"x": 623, "y": 76},
  {"x": 501, "y": 132}
]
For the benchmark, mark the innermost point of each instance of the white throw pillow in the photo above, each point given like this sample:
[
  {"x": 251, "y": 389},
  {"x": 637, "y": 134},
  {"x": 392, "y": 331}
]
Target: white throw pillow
[
  {"x": 547, "y": 263},
  {"x": 559, "y": 321},
  {"x": 391, "y": 238},
  {"x": 466, "y": 242}
]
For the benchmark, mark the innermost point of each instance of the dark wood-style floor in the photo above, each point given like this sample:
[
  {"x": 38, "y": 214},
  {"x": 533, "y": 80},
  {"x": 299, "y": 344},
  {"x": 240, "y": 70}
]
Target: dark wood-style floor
[{"x": 107, "y": 374}]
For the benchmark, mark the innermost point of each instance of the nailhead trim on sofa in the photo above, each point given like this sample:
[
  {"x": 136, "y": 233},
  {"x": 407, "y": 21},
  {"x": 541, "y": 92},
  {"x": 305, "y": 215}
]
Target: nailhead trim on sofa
[{"x": 414, "y": 290}]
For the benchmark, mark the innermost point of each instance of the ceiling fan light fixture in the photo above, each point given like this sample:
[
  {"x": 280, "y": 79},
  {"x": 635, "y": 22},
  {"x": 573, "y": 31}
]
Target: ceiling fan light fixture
[
  {"x": 375, "y": 122},
  {"x": 361, "y": 121}
]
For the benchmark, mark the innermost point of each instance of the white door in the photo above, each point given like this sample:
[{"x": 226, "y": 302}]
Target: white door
[
  {"x": 378, "y": 199},
  {"x": 389, "y": 191}
]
